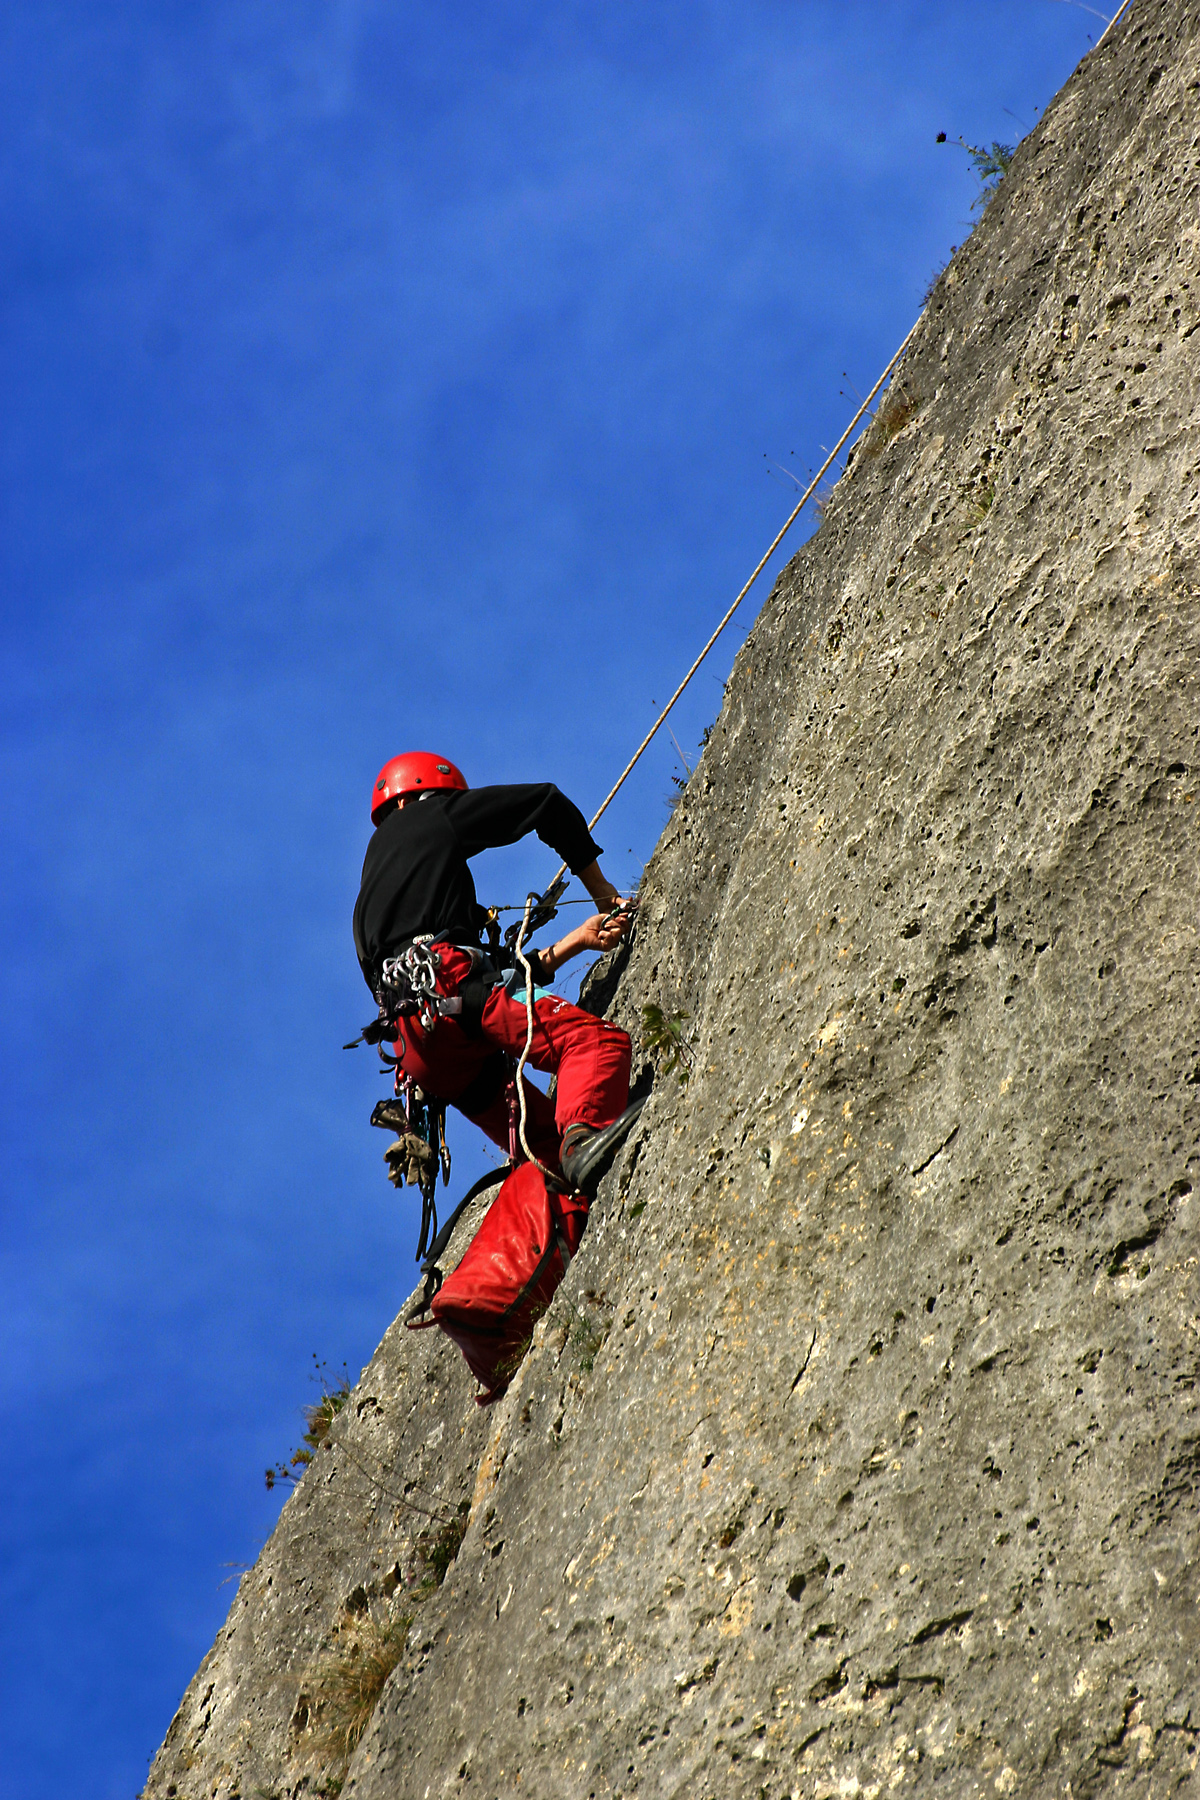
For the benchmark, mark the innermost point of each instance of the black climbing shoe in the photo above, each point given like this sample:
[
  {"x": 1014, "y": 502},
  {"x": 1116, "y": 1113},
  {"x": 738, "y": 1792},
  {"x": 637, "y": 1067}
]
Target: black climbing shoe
[{"x": 587, "y": 1155}]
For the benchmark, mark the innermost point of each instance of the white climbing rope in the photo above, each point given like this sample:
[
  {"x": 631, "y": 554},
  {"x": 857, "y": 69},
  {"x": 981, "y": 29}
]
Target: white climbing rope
[
  {"x": 805, "y": 497},
  {"x": 521, "y": 957},
  {"x": 1111, "y": 23}
]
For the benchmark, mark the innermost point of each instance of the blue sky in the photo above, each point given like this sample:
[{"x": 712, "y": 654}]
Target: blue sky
[{"x": 371, "y": 376}]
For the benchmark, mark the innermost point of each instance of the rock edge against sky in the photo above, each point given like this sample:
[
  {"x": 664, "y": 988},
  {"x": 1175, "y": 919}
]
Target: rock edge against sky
[{"x": 883, "y": 1477}]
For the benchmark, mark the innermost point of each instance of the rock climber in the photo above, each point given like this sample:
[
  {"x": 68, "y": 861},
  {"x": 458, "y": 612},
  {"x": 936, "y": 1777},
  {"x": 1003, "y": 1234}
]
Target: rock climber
[{"x": 417, "y": 888}]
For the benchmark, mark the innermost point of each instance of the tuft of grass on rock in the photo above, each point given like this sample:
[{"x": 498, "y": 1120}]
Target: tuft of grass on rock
[
  {"x": 935, "y": 277},
  {"x": 344, "y": 1689},
  {"x": 585, "y": 1335},
  {"x": 897, "y": 411},
  {"x": 317, "y": 1419},
  {"x": 991, "y": 163}
]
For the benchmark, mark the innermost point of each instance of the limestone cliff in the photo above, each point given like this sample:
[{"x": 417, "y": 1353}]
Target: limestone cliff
[{"x": 883, "y": 1478}]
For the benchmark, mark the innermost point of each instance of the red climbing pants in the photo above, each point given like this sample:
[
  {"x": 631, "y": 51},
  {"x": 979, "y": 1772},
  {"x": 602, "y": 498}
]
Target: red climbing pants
[{"x": 590, "y": 1057}]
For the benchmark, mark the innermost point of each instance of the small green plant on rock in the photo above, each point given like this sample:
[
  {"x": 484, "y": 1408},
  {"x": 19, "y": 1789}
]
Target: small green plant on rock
[
  {"x": 990, "y": 162},
  {"x": 663, "y": 1036},
  {"x": 440, "y": 1543},
  {"x": 979, "y": 495},
  {"x": 935, "y": 277},
  {"x": 318, "y": 1418},
  {"x": 584, "y": 1335}
]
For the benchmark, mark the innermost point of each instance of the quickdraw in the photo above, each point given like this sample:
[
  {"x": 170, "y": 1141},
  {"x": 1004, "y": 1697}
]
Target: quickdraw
[
  {"x": 412, "y": 977},
  {"x": 407, "y": 989}
]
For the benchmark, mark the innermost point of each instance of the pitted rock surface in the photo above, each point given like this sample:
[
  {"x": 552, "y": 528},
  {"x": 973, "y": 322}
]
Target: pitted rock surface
[
  {"x": 859, "y": 1451},
  {"x": 399, "y": 1463}
]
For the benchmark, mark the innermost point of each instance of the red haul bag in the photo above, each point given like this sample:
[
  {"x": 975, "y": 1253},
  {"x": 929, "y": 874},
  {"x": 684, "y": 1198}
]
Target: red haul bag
[{"x": 506, "y": 1280}]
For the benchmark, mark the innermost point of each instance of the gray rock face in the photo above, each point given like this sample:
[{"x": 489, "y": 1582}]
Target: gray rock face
[
  {"x": 859, "y": 1451},
  {"x": 396, "y": 1470}
]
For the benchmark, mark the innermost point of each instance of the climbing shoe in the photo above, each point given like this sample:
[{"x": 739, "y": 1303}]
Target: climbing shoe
[{"x": 586, "y": 1154}]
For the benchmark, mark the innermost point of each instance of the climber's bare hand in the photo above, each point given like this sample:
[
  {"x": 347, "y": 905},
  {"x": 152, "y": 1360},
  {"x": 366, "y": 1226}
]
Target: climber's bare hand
[
  {"x": 612, "y": 926},
  {"x": 597, "y": 933},
  {"x": 603, "y": 931}
]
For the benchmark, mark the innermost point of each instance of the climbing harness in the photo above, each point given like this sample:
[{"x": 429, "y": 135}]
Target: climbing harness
[
  {"x": 409, "y": 984},
  {"x": 408, "y": 988}
]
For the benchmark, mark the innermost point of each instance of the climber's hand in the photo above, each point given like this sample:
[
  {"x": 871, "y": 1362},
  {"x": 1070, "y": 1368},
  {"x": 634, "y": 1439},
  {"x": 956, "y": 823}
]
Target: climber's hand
[
  {"x": 604, "y": 931},
  {"x": 621, "y": 913}
]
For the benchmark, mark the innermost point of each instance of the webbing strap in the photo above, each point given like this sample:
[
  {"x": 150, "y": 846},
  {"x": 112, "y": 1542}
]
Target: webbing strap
[{"x": 432, "y": 1274}]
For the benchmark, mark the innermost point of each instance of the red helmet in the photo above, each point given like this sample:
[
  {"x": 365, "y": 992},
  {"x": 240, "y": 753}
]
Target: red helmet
[{"x": 413, "y": 773}]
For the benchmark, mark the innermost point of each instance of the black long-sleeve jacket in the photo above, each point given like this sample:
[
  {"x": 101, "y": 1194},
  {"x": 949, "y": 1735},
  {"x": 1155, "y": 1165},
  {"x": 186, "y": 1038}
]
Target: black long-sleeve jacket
[{"x": 415, "y": 877}]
